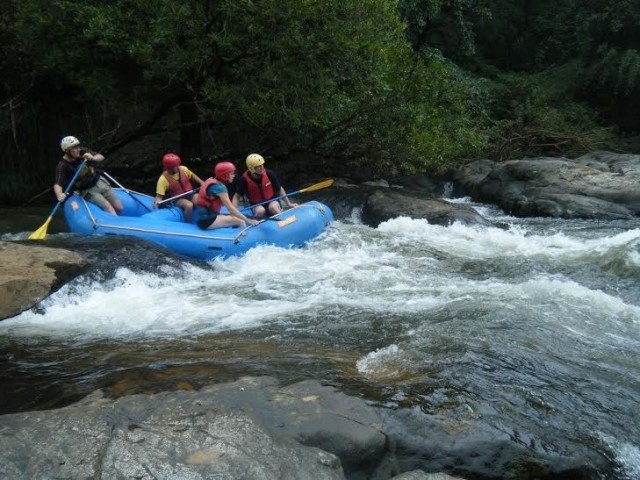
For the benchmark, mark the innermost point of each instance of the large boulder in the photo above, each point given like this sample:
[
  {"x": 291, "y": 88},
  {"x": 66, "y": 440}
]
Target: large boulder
[
  {"x": 251, "y": 429},
  {"x": 31, "y": 272},
  {"x": 382, "y": 205},
  {"x": 596, "y": 185},
  {"x": 254, "y": 428}
]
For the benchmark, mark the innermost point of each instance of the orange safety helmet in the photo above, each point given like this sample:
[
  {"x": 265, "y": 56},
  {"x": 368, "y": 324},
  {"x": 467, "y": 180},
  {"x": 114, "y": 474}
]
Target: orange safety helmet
[
  {"x": 224, "y": 170},
  {"x": 170, "y": 160}
]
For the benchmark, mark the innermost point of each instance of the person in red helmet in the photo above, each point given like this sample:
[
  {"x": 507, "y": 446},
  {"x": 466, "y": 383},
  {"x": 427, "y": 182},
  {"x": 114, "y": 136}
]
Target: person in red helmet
[
  {"x": 213, "y": 194},
  {"x": 176, "y": 179}
]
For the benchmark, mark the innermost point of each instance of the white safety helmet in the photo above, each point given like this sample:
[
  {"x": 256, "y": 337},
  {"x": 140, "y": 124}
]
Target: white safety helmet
[{"x": 69, "y": 142}]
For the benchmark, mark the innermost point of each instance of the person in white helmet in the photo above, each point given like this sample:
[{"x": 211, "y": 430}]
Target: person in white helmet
[
  {"x": 259, "y": 184},
  {"x": 90, "y": 183}
]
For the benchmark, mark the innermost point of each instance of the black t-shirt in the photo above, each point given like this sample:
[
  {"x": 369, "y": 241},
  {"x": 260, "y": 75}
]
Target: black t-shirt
[{"x": 66, "y": 170}]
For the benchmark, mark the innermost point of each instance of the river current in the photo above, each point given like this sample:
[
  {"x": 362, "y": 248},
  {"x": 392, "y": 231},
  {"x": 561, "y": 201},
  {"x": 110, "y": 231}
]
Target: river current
[{"x": 533, "y": 324}]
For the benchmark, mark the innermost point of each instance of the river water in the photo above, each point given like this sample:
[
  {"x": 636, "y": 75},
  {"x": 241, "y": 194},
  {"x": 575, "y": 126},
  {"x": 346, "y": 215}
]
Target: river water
[{"x": 533, "y": 324}]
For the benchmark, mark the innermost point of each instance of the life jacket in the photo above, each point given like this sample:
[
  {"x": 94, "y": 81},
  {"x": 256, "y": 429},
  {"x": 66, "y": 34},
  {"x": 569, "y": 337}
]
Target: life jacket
[
  {"x": 258, "y": 192},
  {"x": 176, "y": 187},
  {"x": 212, "y": 202},
  {"x": 88, "y": 177}
]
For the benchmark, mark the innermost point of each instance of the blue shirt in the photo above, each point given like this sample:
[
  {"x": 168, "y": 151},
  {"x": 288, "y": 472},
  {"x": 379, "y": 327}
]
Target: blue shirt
[{"x": 203, "y": 213}]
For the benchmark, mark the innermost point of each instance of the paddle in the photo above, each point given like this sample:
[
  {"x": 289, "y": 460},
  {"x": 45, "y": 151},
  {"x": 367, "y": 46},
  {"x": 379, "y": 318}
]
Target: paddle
[
  {"x": 115, "y": 182},
  {"x": 40, "y": 233},
  {"x": 195, "y": 190},
  {"x": 312, "y": 188}
]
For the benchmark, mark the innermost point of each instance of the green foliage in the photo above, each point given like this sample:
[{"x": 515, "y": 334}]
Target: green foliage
[
  {"x": 594, "y": 44},
  {"x": 294, "y": 88},
  {"x": 534, "y": 115},
  {"x": 370, "y": 83},
  {"x": 443, "y": 25},
  {"x": 609, "y": 52},
  {"x": 523, "y": 35},
  {"x": 607, "y": 22},
  {"x": 337, "y": 79},
  {"x": 612, "y": 83},
  {"x": 274, "y": 75},
  {"x": 342, "y": 83},
  {"x": 438, "y": 125},
  {"x": 618, "y": 70}
]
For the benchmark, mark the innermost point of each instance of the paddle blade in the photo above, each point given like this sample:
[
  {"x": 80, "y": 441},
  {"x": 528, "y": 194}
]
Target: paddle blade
[
  {"x": 318, "y": 186},
  {"x": 40, "y": 233}
]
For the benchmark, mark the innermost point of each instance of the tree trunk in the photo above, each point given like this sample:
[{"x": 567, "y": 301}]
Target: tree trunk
[{"x": 190, "y": 136}]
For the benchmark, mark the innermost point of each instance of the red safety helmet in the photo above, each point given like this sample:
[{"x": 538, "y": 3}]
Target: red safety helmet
[
  {"x": 224, "y": 170},
  {"x": 170, "y": 160}
]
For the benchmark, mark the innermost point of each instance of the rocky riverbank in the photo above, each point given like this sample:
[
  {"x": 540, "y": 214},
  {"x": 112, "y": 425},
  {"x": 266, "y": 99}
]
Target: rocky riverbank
[
  {"x": 255, "y": 429},
  {"x": 596, "y": 185},
  {"x": 29, "y": 273}
]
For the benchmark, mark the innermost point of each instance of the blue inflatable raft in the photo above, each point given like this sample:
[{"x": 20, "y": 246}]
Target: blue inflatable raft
[{"x": 166, "y": 226}]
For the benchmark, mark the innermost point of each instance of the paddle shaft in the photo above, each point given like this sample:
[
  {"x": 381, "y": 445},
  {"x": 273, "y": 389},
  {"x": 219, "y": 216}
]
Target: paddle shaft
[
  {"x": 316, "y": 186},
  {"x": 117, "y": 184},
  {"x": 69, "y": 186},
  {"x": 190, "y": 192}
]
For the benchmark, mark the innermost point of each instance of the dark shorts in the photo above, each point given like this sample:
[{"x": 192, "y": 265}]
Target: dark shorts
[{"x": 206, "y": 221}]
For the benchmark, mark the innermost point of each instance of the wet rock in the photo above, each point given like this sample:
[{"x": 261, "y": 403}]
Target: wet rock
[
  {"x": 421, "y": 183},
  {"x": 30, "y": 272},
  {"x": 596, "y": 185},
  {"x": 255, "y": 429},
  {"x": 471, "y": 446},
  {"x": 383, "y": 205},
  {"x": 249, "y": 429},
  {"x": 420, "y": 475}
]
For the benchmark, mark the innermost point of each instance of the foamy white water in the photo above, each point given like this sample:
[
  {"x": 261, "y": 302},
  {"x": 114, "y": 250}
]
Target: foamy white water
[{"x": 403, "y": 267}]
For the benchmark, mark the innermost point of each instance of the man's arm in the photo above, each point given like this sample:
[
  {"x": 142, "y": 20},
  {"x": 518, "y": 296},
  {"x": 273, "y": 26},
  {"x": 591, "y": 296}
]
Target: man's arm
[
  {"x": 59, "y": 193},
  {"x": 61, "y": 179},
  {"x": 161, "y": 190},
  {"x": 93, "y": 157},
  {"x": 195, "y": 177},
  {"x": 289, "y": 203},
  {"x": 277, "y": 187},
  {"x": 241, "y": 190}
]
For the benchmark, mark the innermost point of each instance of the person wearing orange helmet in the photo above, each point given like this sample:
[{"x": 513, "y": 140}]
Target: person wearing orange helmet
[
  {"x": 90, "y": 184},
  {"x": 259, "y": 184},
  {"x": 175, "y": 181},
  {"x": 213, "y": 195}
]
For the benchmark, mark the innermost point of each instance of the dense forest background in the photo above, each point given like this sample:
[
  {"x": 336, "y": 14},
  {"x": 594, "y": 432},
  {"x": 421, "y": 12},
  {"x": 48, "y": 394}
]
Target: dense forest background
[{"x": 359, "y": 88}]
